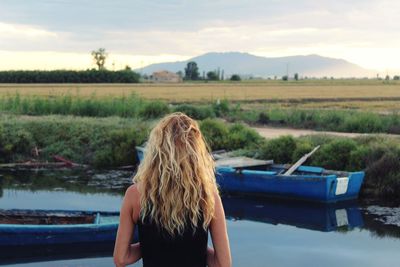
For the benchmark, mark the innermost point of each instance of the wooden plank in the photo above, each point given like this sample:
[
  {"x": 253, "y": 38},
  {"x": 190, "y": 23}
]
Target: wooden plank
[
  {"x": 241, "y": 162},
  {"x": 300, "y": 162}
]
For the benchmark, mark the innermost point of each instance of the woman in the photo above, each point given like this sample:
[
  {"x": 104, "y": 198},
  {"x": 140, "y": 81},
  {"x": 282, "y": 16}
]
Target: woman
[{"x": 174, "y": 202}]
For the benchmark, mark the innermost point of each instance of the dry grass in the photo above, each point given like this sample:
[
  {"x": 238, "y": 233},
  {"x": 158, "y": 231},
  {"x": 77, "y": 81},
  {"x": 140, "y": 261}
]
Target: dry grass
[{"x": 329, "y": 92}]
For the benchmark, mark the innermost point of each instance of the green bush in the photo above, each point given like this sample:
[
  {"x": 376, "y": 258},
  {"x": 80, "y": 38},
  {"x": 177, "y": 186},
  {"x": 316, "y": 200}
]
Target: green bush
[
  {"x": 215, "y": 133},
  {"x": 221, "y": 107},
  {"x": 335, "y": 155},
  {"x": 241, "y": 137},
  {"x": 235, "y": 78},
  {"x": 14, "y": 141},
  {"x": 280, "y": 149},
  {"x": 196, "y": 112},
  {"x": 153, "y": 110},
  {"x": 302, "y": 148},
  {"x": 363, "y": 122},
  {"x": 263, "y": 118}
]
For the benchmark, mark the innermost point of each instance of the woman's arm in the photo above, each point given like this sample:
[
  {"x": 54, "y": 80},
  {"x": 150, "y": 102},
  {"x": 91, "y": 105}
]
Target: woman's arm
[
  {"x": 124, "y": 252},
  {"x": 220, "y": 256}
]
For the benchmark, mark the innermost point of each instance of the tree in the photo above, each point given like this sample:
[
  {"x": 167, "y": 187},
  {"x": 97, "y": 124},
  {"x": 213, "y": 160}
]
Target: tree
[
  {"x": 396, "y": 77},
  {"x": 212, "y": 76},
  {"x": 191, "y": 71},
  {"x": 235, "y": 77},
  {"x": 296, "y": 76},
  {"x": 180, "y": 74},
  {"x": 285, "y": 78},
  {"x": 99, "y": 57}
]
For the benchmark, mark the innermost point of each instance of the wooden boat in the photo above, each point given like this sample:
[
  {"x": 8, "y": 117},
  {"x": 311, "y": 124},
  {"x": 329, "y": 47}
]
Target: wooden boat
[
  {"x": 263, "y": 177},
  {"x": 50, "y": 227}
]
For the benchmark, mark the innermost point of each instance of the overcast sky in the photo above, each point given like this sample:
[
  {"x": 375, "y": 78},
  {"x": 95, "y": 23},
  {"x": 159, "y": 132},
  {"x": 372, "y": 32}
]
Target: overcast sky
[{"x": 46, "y": 34}]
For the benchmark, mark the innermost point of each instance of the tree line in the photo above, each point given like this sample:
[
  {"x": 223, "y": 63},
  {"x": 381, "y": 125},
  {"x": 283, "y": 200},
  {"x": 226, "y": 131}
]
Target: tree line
[
  {"x": 192, "y": 73},
  {"x": 102, "y": 75},
  {"x": 69, "y": 76}
]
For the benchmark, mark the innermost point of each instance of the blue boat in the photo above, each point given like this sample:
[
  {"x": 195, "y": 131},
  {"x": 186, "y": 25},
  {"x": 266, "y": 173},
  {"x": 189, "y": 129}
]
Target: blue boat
[
  {"x": 20, "y": 227},
  {"x": 263, "y": 177}
]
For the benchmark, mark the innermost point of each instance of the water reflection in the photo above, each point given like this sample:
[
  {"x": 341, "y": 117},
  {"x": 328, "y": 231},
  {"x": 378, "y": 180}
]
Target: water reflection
[
  {"x": 271, "y": 217},
  {"x": 314, "y": 216}
]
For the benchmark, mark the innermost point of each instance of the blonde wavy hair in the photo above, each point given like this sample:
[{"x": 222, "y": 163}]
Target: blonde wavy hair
[{"x": 177, "y": 175}]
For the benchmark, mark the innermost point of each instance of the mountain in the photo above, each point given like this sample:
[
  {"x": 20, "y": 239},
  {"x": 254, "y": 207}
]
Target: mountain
[{"x": 256, "y": 66}]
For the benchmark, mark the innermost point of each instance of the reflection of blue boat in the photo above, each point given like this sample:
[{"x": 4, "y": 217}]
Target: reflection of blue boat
[
  {"x": 45, "y": 227},
  {"x": 314, "y": 216},
  {"x": 250, "y": 176}
]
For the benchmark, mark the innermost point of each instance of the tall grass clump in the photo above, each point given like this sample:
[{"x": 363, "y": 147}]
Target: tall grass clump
[
  {"x": 130, "y": 106},
  {"x": 103, "y": 142},
  {"x": 195, "y": 111},
  {"x": 330, "y": 120},
  {"x": 154, "y": 109}
]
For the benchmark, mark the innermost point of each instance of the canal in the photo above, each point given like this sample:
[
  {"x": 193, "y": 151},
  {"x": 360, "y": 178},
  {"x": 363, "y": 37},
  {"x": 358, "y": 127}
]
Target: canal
[{"x": 262, "y": 232}]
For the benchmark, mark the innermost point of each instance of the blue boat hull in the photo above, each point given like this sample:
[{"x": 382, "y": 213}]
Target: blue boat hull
[
  {"x": 307, "y": 183},
  {"x": 30, "y": 234},
  {"x": 314, "y": 187}
]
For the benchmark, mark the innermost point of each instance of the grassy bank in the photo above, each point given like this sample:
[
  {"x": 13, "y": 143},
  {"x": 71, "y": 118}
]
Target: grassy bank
[
  {"x": 105, "y": 142},
  {"x": 99, "y": 142},
  {"x": 133, "y": 106}
]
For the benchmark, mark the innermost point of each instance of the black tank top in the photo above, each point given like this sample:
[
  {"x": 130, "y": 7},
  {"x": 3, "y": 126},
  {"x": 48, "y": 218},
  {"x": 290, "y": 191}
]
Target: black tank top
[{"x": 159, "y": 249}]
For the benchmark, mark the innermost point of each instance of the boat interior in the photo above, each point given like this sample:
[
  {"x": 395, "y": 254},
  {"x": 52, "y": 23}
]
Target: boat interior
[
  {"x": 8, "y": 217},
  {"x": 241, "y": 164}
]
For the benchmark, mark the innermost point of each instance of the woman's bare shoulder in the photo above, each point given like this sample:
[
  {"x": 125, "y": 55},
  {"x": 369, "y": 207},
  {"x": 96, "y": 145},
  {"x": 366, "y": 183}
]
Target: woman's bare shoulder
[{"x": 132, "y": 195}]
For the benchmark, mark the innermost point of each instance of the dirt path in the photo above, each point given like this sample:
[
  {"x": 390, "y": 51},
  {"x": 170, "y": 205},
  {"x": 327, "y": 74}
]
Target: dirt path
[{"x": 272, "y": 132}]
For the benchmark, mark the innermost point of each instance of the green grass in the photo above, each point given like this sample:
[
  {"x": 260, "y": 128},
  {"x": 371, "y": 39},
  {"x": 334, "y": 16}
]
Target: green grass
[
  {"x": 106, "y": 142},
  {"x": 133, "y": 106}
]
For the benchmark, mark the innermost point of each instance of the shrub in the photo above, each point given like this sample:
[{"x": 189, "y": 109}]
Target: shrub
[
  {"x": 263, "y": 118},
  {"x": 235, "y": 78},
  {"x": 196, "y": 112},
  {"x": 363, "y": 122},
  {"x": 335, "y": 155},
  {"x": 280, "y": 149},
  {"x": 153, "y": 110},
  {"x": 301, "y": 149},
  {"x": 241, "y": 137},
  {"x": 221, "y": 107},
  {"x": 215, "y": 133},
  {"x": 14, "y": 141}
]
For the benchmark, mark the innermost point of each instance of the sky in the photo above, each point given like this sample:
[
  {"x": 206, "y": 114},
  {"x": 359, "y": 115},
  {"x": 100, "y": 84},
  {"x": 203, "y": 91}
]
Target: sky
[{"x": 60, "y": 34}]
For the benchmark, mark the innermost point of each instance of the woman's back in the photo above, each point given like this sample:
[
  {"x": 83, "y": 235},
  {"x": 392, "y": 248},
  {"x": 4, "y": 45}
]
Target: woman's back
[
  {"x": 159, "y": 248},
  {"x": 174, "y": 202}
]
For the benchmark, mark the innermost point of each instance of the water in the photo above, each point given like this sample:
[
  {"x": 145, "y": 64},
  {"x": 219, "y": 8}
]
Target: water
[{"x": 261, "y": 232}]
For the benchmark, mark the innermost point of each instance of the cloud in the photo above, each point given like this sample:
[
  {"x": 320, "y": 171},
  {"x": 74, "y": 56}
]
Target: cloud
[
  {"x": 23, "y": 31},
  {"x": 187, "y": 28}
]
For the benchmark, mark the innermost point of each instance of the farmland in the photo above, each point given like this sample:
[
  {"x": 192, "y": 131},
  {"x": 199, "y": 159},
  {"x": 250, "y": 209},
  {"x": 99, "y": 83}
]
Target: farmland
[{"x": 363, "y": 94}]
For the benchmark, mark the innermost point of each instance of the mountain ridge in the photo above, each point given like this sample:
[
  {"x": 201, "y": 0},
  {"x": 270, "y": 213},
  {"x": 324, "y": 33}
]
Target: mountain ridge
[{"x": 246, "y": 64}]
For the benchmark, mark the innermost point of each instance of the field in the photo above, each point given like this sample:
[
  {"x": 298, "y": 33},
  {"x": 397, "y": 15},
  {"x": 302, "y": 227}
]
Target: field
[{"x": 365, "y": 94}]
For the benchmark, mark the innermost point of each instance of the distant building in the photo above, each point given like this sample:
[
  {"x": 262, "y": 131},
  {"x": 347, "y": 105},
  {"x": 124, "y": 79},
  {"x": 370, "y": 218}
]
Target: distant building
[{"x": 165, "y": 76}]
